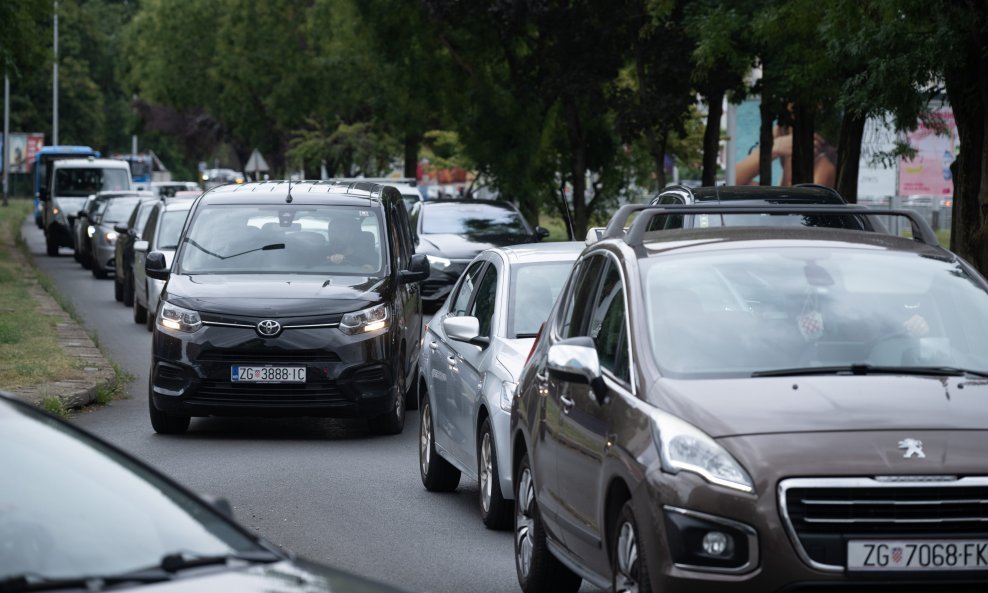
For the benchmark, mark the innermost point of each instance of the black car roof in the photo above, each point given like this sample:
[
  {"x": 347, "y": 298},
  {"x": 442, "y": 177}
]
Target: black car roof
[
  {"x": 804, "y": 193},
  {"x": 303, "y": 192}
]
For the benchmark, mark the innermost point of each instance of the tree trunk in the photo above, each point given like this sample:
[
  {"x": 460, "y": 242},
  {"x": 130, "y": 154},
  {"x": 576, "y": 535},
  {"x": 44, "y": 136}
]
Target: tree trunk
[
  {"x": 411, "y": 154},
  {"x": 803, "y": 152},
  {"x": 711, "y": 135},
  {"x": 765, "y": 140},
  {"x": 578, "y": 167},
  {"x": 849, "y": 155},
  {"x": 659, "y": 156}
]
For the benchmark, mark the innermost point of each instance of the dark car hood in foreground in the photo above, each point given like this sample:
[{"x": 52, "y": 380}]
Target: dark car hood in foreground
[
  {"x": 285, "y": 577},
  {"x": 731, "y": 407},
  {"x": 463, "y": 247},
  {"x": 275, "y": 295}
]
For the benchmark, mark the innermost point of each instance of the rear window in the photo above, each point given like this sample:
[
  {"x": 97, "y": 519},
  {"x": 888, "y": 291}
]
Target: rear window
[{"x": 472, "y": 220}]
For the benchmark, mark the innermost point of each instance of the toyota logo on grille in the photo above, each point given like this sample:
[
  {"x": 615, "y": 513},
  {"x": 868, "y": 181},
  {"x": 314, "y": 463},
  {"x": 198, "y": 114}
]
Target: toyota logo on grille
[{"x": 269, "y": 328}]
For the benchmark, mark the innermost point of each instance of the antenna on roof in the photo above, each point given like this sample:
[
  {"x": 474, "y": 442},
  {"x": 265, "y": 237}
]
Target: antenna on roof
[{"x": 288, "y": 198}]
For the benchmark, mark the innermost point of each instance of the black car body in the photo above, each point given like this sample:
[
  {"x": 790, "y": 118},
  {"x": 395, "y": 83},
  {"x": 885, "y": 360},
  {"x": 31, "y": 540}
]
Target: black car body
[
  {"x": 81, "y": 515},
  {"x": 276, "y": 305},
  {"x": 452, "y": 232},
  {"x": 127, "y": 234}
]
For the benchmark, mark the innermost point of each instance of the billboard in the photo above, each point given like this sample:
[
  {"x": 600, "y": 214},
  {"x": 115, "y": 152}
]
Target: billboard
[
  {"x": 928, "y": 173},
  {"x": 22, "y": 149},
  {"x": 875, "y": 179}
]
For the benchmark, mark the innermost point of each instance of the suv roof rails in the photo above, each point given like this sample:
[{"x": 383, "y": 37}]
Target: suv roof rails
[
  {"x": 823, "y": 187},
  {"x": 381, "y": 180},
  {"x": 921, "y": 229}
]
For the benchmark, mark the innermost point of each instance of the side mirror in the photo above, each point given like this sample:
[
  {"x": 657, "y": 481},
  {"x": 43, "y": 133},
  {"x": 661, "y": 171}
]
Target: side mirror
[
  {"x": 219, "y": 503},
  {"x": 418, "y": 269},
  {"x": 141, "y": 246},
  {"x": 575, "y": 361},
  {"x": 43, "y": 195},
  {"x": 155, "y": 266},
  {"x": 541, "y": 233},
  {"x": 465, "y": 329},
  {"x": 81, "y": 214},
  {"x": 121, "y": 228}
]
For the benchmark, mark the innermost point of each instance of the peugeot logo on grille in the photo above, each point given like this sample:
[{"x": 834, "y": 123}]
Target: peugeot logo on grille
[
  {"x": 269, "y": 328},
  {"x": 913, "y": 448}
]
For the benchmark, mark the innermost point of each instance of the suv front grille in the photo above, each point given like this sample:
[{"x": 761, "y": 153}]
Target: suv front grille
[
  {"x": 267, "y": 356},
  {"x": 267, "y": 394},
  {"x": 822, "y": 514}
]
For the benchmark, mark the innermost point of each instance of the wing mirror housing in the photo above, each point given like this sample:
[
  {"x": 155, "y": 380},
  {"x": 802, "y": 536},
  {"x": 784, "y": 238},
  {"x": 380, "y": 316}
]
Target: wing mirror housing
[
  {"x": 155, "y": 266},
  {"x": 418, "y": 270},
  {"x": 541, "y": 233},
  {"x": 121, "y": 228},
  {"x": 81, "y": 214},
  {"x": 575, "y": 360},
  {"x": 465, "y": 329}
]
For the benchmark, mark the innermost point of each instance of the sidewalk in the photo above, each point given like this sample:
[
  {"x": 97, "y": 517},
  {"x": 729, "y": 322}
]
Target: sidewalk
[{"x": 97, "y": 372}]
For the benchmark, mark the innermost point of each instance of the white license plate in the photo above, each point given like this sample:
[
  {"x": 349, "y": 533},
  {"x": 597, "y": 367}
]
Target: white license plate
[
  {"x": 252, "y": 374},
  {"x": 942, "y": 554}
]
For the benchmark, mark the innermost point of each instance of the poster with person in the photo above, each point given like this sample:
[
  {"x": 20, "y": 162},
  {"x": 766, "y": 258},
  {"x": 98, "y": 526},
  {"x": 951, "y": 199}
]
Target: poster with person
[{"x": 936, "y": 143}]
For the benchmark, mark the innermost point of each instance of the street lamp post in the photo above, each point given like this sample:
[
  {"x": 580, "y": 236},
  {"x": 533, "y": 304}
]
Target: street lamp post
[
  {"x": 54, "y": 85},
  {"x": 6, "y": 135}
]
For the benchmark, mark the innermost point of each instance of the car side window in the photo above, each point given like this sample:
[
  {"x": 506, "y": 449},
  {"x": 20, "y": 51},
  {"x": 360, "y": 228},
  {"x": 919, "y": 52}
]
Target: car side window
[
  {"x": 148, "y": 233},
  {"x": 483, "y": 304},
  {"x": 466, "y": 289},
  {"x": 580, "y": 297},
  {"x": 607, "y": 325},
  {"x": 667, "y": 222},
  {"x": 397, "y": 240}
]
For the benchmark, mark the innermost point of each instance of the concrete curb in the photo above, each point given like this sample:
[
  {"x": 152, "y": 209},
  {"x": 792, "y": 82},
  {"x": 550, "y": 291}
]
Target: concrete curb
[{"x": 98, "y": 373}]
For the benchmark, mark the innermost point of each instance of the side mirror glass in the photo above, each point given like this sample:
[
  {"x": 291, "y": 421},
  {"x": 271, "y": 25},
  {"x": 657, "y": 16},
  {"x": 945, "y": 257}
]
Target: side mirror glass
[
  {"x": 465, "y": 329},
  {"x": 541, "y": 233},
  {"x": 418, "y": 269},
  {"x": 575, "y": 361},
  {"x": 155, "y": 266},
  {"x": 141, "y": 246},
  {"x": 121, "y": 228},
  {"x": 81, "y": 214}
]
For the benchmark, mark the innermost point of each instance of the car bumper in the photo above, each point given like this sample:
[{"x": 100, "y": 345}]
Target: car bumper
[
  {"x": 346, "y": 376},
  {"x": 104, "y": 258},
  {"x": 501, "y": 425}
]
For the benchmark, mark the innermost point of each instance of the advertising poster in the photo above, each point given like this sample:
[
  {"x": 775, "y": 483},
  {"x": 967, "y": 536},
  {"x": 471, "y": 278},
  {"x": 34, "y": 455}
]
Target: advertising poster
[
  {"x": 34, "y": 143},
  {"x": 875, "y": 180},
  {"x": 17, "y": 154},
  {"x": 929, "y": 172}
]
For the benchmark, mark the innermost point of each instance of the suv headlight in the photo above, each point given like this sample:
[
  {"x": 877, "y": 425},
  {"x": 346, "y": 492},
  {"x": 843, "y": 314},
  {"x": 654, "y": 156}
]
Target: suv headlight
[
  {"x": 366, "y": 320},
  {"x": 683, "y": 447},
  {"x": 438, "y": 262},
  {"x": 178, "y": 318},
  {"x": 508, "y": 389}
]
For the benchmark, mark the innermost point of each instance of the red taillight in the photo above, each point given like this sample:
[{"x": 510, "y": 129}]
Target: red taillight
[{"x": 535, "y": 343}]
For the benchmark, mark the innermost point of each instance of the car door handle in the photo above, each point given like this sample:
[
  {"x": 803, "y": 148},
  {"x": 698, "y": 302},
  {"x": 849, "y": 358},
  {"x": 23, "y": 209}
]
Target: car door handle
[
  {"x": 567, "y": 402},
  {"x": 433, "y": 345},
  {"x": 451, "y": 360}
]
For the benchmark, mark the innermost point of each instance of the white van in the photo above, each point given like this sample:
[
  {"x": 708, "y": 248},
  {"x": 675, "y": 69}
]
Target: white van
[{"x": 72, "y": 181}]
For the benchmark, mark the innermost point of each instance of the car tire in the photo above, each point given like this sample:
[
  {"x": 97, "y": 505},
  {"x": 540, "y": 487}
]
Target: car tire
[
  {"x": 140, "y": 312},
  {"x": 128, "y": 292},
  {"x": 149, "y": 320},
  {"x": 117, "y": 289},
  {"x": 87, "y": 264},
  {"x": 537, "y": 569},
  {"x": 98, "y": 272},
  {"x": 392, "y": 421},
  {"x": 51, "y": 247},
  {"x": 412, "y": 396},
  {"x": 163, "y": 423},
  {"x": 76, "y": 256},
  {"x": 628, "y": 568},
  {"x": 495, "y": 511},
  {"x": 438, "y": 475}
]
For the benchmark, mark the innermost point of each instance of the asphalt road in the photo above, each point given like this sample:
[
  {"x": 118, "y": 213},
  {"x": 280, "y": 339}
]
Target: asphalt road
[{"x": 325, "y": 489}]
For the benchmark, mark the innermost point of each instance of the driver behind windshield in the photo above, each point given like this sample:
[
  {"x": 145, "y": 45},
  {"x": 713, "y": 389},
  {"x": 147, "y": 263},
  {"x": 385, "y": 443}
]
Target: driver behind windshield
[{"x": 350, "y": 245}]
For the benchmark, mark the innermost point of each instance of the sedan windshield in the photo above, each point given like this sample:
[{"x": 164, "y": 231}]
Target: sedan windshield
[
  {"x": 70, "y": 507},
  {"x": 119, "y": 209},
  {"x": 757, "y": 311},
  {"x": 534, "y": 288},
  {"x": 472, "y": 220},
  {"x": 284, "y": 239}
]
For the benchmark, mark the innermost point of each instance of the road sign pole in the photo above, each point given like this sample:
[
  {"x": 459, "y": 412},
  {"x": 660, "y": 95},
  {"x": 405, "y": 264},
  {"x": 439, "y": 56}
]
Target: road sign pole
[{"x": 6, "y": 136}]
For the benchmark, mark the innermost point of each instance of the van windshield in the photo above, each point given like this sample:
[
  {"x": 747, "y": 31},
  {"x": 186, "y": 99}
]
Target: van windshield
[{"x": 76, "y": 183}]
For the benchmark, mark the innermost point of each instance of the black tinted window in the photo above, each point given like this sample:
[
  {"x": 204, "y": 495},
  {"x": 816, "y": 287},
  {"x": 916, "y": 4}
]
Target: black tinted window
[
  {"x": 466, "y": 289},
  {"x": 483, "y": 305},
  {"x": 607, "y": 325},
  {"x": 579, "y": 299},
  {"x": 478, "y": 219}
]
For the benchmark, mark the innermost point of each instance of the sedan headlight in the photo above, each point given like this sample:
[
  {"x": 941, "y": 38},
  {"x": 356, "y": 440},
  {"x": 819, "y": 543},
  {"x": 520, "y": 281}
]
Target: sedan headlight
[
  {"x": 438, "y": 262},
  {"x": 90, "y": 231},
  {"x": 508, "y": 389},
  {"x": 367, "y": 320},
  {"x": 683, "y": 447},
  {"x": 110, "y": 237},
  {"x": 178, "y": 318}
]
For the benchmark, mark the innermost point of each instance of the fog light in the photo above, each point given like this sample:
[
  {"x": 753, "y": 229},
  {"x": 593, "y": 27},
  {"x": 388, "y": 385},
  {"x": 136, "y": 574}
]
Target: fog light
[{"x": 716, "y": 543}]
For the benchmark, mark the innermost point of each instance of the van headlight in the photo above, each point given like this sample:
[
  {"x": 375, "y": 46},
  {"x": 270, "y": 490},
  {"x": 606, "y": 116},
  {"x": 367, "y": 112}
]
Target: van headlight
[
  {"x": 366, "y": 320},
  {"x": 178, "y": 318},
  {"x": 683, "y": 447}
]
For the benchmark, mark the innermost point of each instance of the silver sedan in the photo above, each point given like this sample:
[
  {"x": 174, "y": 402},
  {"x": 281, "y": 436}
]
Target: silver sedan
[{"x": 474, "y": 350}]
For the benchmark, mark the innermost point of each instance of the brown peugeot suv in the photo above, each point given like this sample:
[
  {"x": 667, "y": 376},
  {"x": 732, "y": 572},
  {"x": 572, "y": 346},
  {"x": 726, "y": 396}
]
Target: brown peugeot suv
[{"x": 758, "y": 410}]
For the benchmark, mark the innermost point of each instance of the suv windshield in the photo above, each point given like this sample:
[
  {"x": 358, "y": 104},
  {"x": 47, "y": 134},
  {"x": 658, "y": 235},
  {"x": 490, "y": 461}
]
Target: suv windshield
[
  {"x": 472, "y": 220},
  {"x": 85, "y": 182},
  {"x": 130, "y": 518},
  {"x": 738, "y": 313},
  {"x": 284, "y": 239}
]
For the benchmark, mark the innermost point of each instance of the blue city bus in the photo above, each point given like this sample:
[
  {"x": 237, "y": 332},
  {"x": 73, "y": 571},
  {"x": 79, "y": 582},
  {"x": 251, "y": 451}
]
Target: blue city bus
[
  {"x": 141, "y": 166},
  {"x": 42, "y": 169}
]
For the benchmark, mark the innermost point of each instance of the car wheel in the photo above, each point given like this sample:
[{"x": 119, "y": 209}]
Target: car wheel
[
  {"x": 128, "y": 292},
  {"x": 51, "y": 247},
  {"x": 140, "y": 312},
  {"x": 537, "y": 569},
  {"x": 149, "y": 320},
  {"x": 392, "y": 421},
  {"x": 494, "y": 509},
  {"x": 630, "y": 573},
  {"x": 76, "y": 256},
  {"x": 163, "y": 423},
  {"x": 412, "y": 397},
  {"x": 117, "y": 289},
  {"x": 98, "y": 272},
  {"x": 438, "y": 475}
]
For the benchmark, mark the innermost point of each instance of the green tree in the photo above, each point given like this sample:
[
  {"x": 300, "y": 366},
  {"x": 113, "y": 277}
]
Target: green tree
[{"x": 25, "y": 37}]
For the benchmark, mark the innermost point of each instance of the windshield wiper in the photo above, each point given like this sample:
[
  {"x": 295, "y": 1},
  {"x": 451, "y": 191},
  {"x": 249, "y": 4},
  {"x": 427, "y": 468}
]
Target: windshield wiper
[
  {"x": 163, "y": 571},
  {"x": 869, "y": 369},
  {"x": 270, "y": 247}
]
